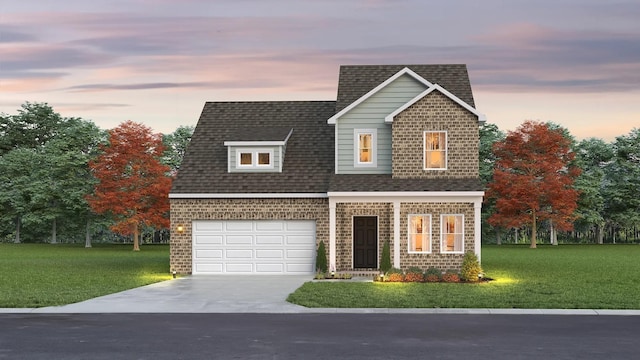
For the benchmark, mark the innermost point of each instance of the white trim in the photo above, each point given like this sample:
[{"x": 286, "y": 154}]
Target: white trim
[
  {"x": 428, "y": 234},
  {"x": 356, "y": 147},
  {"x": 442, "y": 233},
  {"x": 424, "y": 149},
  {"x": 254, "y": 143},
  {"x": 332, "y": 235},
  {"x": 375, "y": 196},
  {"x": 248, "y": 196},
  {"x": 254, "y": 158},
  {"x": 396, "y": 234},
  {"x": 332, "y": 120},
  {"x": 481, "y": 117},
  {"x": 477, "y": 222},
  {"x": 335, "y": 150}
]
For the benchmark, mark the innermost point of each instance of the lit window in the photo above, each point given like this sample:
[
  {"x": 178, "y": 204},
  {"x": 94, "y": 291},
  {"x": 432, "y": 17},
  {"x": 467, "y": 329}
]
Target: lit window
[
  {"x": 435, "y": 150},
  {"x": 452, "y": 229},
  {"x": 365, "y": 147},
  {"x": 419, "y": 233}
]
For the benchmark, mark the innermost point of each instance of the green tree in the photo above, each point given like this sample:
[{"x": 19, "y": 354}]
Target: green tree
[
  {"x": 175, "y": 146},
  {"x": 489, "y": 135}
]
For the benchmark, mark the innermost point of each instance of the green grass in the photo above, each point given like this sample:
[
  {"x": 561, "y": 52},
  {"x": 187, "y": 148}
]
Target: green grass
[
  {"x": 37, "y": 275},
  {"x": 560, "y": 277}
]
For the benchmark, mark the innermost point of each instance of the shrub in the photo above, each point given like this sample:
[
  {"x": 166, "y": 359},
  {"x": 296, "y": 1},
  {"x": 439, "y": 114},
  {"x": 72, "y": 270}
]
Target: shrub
[
  {"x": 414, "y": 274},
  {"x": 321, "y": 258},
  {"x": 395, "y": 275},
  {"x": 470, "y": 267},
  {"x": 385, "y": 262},
  {"x": 451, "y": 276},
  {"x": 433, "y": 274}
]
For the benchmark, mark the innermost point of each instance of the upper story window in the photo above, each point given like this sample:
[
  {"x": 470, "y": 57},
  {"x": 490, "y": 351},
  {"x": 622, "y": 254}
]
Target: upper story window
[
  {"x": 254, "y": 158},
  {"x": 365, "y": 142},
  {"x": 419, "y": 234},
  {"x": 452, "y": 233},
  {"x": 435, "y": 150}
]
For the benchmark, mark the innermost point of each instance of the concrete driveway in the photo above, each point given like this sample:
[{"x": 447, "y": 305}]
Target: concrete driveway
[{"x": 198, "y": 294}]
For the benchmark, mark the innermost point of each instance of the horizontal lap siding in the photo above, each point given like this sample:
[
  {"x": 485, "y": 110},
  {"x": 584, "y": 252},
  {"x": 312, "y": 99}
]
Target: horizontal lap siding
[{"x": 370, "y": 114}]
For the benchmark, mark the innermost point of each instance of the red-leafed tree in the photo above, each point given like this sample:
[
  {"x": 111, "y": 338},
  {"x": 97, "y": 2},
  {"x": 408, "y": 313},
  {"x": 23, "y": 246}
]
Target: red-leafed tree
[
  {"x": 133, "y": 186},
  {"x": 533, "y": 179}
]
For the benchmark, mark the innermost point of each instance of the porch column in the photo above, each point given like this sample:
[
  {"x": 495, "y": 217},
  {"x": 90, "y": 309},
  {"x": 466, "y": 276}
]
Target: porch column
[
  {"x": 396, "y": 234},
  {"x": 332, "y": 235},
  {"x": 477, "y": 223}
]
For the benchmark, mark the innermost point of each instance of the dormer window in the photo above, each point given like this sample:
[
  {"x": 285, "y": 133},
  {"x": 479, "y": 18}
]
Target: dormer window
[
  {"x": 254, "y": 158},
  {"x": 435, "y": 150},
  {"x": 365, "y": 141}
]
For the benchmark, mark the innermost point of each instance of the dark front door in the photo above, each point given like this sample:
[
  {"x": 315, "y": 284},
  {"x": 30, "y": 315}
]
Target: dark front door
[{"x": 365, "y": 242}]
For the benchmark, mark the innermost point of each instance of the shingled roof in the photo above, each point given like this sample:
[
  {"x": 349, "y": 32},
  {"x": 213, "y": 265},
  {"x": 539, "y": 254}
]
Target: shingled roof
[
  {"x": 357, "y": 80},
  {"x": 308, "y": 161},
  {"x": 384, "y": 182}
]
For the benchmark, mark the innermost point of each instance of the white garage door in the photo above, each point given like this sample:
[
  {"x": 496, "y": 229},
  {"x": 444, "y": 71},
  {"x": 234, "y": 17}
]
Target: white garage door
[{"x": 254, "y": 246}]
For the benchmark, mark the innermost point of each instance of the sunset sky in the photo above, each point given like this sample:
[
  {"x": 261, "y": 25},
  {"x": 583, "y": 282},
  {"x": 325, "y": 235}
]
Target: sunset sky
[{"x": 573, "y": 62}]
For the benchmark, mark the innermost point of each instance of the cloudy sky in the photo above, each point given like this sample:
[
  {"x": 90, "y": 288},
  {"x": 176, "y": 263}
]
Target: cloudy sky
[{"x": 573, "y": 62}]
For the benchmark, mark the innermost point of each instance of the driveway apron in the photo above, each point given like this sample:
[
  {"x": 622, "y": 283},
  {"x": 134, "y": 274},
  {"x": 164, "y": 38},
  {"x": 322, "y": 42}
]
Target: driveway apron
[{"x": 198, "y": 294}]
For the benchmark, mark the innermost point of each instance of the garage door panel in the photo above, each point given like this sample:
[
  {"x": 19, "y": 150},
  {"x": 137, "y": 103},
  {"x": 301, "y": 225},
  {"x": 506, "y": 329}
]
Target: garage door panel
[
  {"x": 246, "y": 268},
  {"x": 239, "y": 239},
  {"x": 209, "y": 239},
  {"x": 265, "y": 225},
  {"x": 208, "y": 254},
  {"x": 208, "y": 225},
  {"x": 270, "y": 254},
  {"x": 216, "y": 268},
  {"x": 239, "y": 225},
  {"x": 254, "y": 246},
  {"x": 239, "y": 254},
  {"x": 300, "y": 239},
  {"x": 269, "y": 240},
  {"x": 270, "y": 268}
]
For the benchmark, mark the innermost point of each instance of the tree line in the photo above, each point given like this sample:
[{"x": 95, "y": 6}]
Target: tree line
[
  {"x": 63, "y": 179},
  {"x": 66, "y": 180},
  {"x": 543, "y": 184}
]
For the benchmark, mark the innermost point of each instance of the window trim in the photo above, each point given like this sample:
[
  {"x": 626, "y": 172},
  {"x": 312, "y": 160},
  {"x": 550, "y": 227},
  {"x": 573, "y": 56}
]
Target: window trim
[
  {"x": 424, "y": 149},
  {"x": 409, "y": 233},
  {"x": 356, "y": 147},
  {"x": 254, "y": 158},
  {"x": 443, "y": 234}
]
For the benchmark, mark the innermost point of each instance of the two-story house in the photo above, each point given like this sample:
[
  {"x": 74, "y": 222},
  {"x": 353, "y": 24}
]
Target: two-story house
[{"x": 395, "y": 159}]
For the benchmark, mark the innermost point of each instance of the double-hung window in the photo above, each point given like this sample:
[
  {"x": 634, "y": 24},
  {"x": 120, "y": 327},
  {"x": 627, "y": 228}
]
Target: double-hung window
[
  {"x": 452, "y": 233},
  {"x": 365, "y": 141},
  {"x": 435, "y": 150},
  {"x": 419, "y": 233}
]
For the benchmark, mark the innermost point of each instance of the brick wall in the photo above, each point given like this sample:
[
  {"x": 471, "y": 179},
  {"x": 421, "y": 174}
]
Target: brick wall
[
  {"x": 435, "y": 112},
  {"x": 184, "y": 211}
]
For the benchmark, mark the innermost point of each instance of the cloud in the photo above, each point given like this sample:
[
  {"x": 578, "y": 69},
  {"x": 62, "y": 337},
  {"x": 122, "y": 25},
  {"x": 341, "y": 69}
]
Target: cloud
[{"x": 9, "y": 34}]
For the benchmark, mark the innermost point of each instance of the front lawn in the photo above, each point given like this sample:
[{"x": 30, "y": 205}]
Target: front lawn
[
  {"x": 36, "y": 275},
  {"x": 550, "y": 277}
]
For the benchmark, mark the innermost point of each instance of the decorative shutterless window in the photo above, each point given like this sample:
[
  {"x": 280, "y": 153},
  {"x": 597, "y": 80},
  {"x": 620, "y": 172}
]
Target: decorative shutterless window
[
  {"x": 419, "y": 233},
  {"x": 254, "y": 158},
  {"x": 365, "y": 147},
  {"x": 435, "y": 150},
  {"x": 452, "y": 234}
]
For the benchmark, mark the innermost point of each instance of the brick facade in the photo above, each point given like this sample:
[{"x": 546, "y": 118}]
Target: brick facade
[
  {"x": 435, "y": 112},
  {"x": 184, "y": 211}
]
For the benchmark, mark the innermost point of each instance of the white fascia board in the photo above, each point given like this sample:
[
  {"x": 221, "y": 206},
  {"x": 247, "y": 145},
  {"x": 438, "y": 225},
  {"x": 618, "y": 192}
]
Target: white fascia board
[
  {"x": 254, "y": 143},
  {"x": 248, "y": 196},
  {"x": 409, "y": 196},
  {"x": 332, "y": 120},
  {"x": 481, "y": 117}
]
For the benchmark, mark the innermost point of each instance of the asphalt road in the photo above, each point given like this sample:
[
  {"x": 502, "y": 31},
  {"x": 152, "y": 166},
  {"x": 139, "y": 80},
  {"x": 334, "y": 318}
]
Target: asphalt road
[{"x": 317, "y": 336}]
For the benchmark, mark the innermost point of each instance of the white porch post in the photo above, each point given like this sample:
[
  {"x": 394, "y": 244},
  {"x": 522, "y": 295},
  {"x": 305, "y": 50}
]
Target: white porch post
[
  {"x": 332, "y": 235},
  {"x": 396, "y": 234},
  {"x": 477, "y": 222}
]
